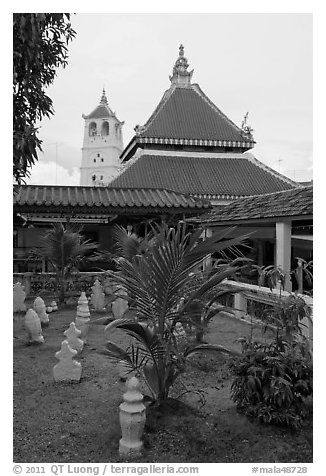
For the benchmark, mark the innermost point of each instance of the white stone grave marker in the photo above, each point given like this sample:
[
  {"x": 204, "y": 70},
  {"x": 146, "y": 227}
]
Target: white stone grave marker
[
  {"x": 33, "y": 327},
  {"x": 98, "y": 296},
  {"x": 19, "y": 297},
  {"x": 132, "y": 419},
  {"x": 40, "y": 308},
  {"x": 67, "y": 370},
  {"x": 82, "y": 320},
  {"x": 120, "y": 305},
  {"x": 72, "y": 334}
]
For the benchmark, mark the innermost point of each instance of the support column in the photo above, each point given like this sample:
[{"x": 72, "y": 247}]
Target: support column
[
  {"x": 240, "y": 305},
  {"x": 207, "y": 262},
  {"x": 283, "y": 251},
  {"x": 260, "y": 252}
]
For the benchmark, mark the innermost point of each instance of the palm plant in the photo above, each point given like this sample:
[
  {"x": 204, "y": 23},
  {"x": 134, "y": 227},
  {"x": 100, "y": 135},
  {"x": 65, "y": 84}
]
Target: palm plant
[
  {"x": 163, "y": 293},
  {"x": 65, "y": 249}
]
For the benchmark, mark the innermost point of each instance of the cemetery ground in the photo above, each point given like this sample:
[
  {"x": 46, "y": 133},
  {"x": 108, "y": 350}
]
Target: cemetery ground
[{"x": 80, "y": 422}]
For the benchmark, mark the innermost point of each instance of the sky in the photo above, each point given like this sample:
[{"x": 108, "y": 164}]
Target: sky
[{"x": 259, "y": 63}]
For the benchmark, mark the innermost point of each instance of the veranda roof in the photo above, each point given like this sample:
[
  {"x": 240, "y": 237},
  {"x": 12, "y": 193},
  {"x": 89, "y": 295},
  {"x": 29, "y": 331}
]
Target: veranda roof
[
  {"x": 296, "y": 203},
  {"x": 104, "y": 199}
]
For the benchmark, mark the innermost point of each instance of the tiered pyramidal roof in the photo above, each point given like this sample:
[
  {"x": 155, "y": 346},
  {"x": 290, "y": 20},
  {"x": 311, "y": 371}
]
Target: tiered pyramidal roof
[
  {"x": 102, "y": 111},
  {"x": 190, "y": 146},
  {"x": 185, "y": 116}
]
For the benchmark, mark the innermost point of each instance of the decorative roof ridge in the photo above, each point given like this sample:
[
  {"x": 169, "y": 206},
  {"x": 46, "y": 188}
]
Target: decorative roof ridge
[
  {"x": 222, "y": 196},
  {"x": 263, "y": 166},
  {"x": 200, "y": 92},
  {"x": 196, "y": 154},
  {"x": 176, "y": 153}
]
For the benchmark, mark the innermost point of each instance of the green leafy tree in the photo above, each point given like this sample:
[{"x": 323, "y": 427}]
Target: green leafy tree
[
  {"x": 164, "y": 294},
  {"x": 65, "y": 249},
  {"x": 39, "y": 48}
]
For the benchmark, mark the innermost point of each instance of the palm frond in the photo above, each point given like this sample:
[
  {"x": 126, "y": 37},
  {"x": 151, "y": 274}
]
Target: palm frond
[{"x": 208, "y": 347}]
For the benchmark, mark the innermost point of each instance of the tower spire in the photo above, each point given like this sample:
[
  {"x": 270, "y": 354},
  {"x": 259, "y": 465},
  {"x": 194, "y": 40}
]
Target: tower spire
[
  {"x": 180, "y": 74},
  {"x": 104, "y": 100}
]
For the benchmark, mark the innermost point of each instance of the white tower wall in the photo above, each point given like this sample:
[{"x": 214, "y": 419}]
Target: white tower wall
[{"x": 102, "y": 146}]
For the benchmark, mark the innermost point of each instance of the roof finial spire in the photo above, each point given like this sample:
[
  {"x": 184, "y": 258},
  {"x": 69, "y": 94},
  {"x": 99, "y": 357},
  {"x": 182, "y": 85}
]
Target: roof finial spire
[
  {"x": 181, "y": 76},
  {"x": 104, "y": 98}
]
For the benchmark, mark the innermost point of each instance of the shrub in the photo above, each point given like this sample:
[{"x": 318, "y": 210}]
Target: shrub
[{"x": 272, "y": 383}]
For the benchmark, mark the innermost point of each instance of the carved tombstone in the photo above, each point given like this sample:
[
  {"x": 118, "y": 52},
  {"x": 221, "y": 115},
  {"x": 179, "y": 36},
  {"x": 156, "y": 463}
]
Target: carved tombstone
[
  {"x": 98, "y": 296},
  {"x": 132, "y": 419},
  {"x": 72, "y": 335},
  {"x": 67, "y": 370},
  {"x": 19, "y": 297},
  {"x": 120, "y": 305},
  {"x": 40, "y": 308},
  {"x": 82, "y": 318},
  {"x": 33, "y": 327},
  {"x": 107, "y": 287}
]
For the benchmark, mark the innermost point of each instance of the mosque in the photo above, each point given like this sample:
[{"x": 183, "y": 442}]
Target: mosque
[{"x": 188, "y": 158}]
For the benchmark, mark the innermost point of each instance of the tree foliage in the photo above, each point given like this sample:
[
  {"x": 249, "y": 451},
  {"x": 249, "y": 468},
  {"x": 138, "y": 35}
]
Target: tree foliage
[
  {"x": 165, "y": 296},
  {"x": 39, "y": 48},
  {"x": 65, "y": 249}
]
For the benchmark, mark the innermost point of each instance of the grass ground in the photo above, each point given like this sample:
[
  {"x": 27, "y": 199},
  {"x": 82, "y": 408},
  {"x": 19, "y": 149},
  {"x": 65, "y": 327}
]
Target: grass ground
[{"x": 80, "y": 422}]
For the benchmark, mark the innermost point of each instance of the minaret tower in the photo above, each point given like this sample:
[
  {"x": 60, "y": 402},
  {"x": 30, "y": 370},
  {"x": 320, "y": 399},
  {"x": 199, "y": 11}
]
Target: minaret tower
[{"x": 102, "y": 145}]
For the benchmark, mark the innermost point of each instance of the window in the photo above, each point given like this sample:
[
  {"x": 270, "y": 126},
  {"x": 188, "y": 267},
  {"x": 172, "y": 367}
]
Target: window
[
  {"x": 101, "y": 177},
  {"x": 105, "y": 128},
  {"x": 93, "y": 178},
  {"x": 98, "y": 155},
  {"x": 92, "y": 129},
  {"x": 94, "y": 160},
  {"x": 102, "y": 160}
]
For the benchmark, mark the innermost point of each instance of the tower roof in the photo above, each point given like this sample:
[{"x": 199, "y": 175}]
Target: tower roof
[
  {"x": 102, "y": 111},
  {"x": 186, "y": 116}
]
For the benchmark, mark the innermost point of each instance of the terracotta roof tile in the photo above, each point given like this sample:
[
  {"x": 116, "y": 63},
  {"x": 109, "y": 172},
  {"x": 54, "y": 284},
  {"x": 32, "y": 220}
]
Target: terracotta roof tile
[
  {"x": 201, "y": 175},
  {"x": 102, "y": 198},
  {"x": 295, "y": 202},
  {"x": 187, "y": 113}
]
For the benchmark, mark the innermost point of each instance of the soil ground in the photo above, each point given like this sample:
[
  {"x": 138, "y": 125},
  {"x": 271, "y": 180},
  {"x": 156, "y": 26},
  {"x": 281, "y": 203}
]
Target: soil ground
[{"x": 80, "y": 422}]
